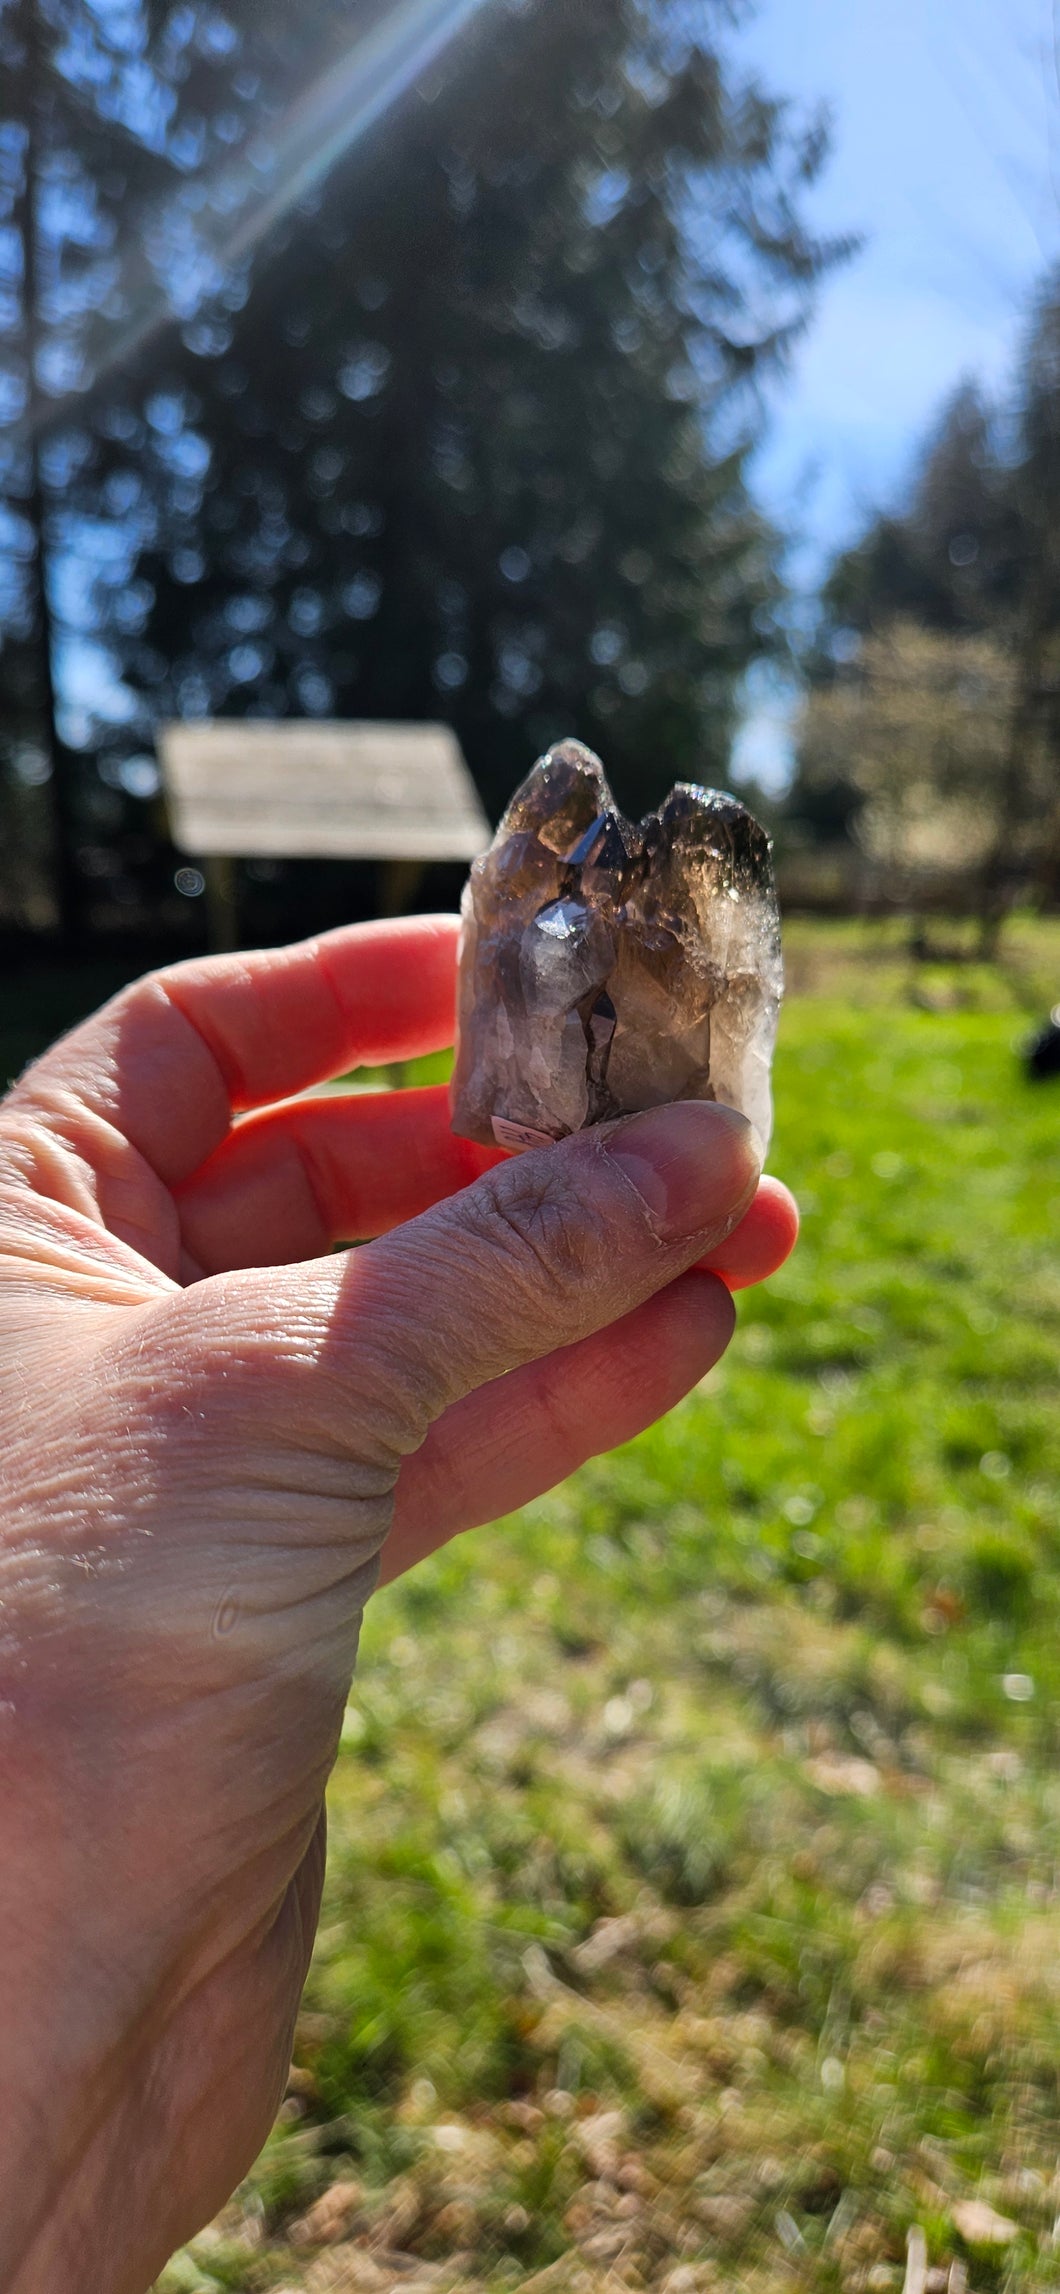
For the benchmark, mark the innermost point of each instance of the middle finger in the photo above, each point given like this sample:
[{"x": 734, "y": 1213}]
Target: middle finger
[{"x": 286, "y": 1184}]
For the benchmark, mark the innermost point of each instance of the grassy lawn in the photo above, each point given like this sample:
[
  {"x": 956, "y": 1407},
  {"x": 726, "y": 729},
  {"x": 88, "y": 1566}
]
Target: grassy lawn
[{"x": 692, "y": 1918}]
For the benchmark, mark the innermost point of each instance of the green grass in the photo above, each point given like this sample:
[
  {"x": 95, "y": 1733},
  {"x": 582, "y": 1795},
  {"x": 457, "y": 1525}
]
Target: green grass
[{"x": 692, "y": 1909}]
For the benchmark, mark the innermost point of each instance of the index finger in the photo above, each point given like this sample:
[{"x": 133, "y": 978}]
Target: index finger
[{"x": 175, "y": 1056}]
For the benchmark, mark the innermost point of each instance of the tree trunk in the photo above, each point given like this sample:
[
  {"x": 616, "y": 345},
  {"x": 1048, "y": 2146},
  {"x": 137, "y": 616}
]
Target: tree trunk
[
  {"x": 1001, "y": 866},
  {"x": 66, "y": 883}
]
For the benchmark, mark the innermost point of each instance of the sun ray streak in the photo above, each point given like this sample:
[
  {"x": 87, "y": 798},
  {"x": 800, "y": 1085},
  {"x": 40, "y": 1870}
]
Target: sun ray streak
[
  {"x": 348, "y": 100},
  {"x": 324, "y": 123}
]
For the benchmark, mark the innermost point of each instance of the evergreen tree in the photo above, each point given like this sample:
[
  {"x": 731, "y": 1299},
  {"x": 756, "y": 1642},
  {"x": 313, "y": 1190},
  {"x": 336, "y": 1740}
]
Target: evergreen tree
[
  {"x": 955, "y": 558},
  {"x": 972, "y": 559},
  {"x": 465, "y": 446},
  {"x": 1029, "y": 837},
  {"x": 468, "y": 436},
  {"x": 94, "y": 136}
]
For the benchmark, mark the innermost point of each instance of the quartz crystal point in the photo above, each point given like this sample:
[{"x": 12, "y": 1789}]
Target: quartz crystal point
[{"x": 607, "y": 966}]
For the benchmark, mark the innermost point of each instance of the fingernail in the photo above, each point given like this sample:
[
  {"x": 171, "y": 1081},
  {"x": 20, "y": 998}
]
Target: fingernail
[{"x": 695, "y": 1166}]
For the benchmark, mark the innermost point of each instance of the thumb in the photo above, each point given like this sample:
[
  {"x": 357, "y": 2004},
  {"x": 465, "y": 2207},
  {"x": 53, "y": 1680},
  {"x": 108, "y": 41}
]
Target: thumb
[{"x": 538, "y": 1253}]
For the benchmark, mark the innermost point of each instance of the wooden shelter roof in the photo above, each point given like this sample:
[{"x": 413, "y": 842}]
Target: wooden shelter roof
[{"x": 311, "y": 790}]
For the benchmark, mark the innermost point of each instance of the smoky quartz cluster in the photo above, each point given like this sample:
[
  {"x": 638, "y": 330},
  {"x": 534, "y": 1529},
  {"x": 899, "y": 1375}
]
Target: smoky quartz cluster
[{"x": 608, "y": 965}]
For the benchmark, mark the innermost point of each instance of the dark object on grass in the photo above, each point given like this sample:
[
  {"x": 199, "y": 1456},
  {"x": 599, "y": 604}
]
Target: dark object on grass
[{"x": 1041, "y": 1056}]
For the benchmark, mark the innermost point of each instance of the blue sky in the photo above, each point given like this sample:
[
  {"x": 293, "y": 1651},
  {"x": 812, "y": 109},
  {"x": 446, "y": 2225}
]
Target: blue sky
[{"x": 947, "y": 159}]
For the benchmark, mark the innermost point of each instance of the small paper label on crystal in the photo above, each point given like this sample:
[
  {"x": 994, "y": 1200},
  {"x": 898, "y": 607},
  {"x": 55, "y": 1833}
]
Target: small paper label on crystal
[{"x": 519, "y": 1135}]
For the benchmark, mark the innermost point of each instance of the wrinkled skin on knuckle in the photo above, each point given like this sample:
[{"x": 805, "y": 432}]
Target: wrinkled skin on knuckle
[
  {"x": 509, "y": 1270},
  {"x": 541, "y": 1246},
  {"x": 403, "y": 1379}
]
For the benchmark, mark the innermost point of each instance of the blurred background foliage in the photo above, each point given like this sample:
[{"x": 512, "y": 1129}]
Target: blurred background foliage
[
  {"x": 462, "y": 431},
  {"x": 934, "y": 671},
  {"x": 316, "y": 403}
]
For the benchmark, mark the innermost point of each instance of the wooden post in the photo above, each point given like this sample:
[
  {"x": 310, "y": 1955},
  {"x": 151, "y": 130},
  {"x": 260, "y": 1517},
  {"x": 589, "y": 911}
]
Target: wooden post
[
  {"x": 222, "y": 903},
  {"x": 399, "y": 881}
]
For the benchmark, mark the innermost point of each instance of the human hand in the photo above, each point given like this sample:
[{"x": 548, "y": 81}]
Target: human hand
[{"x": 204, "y": 1416}]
